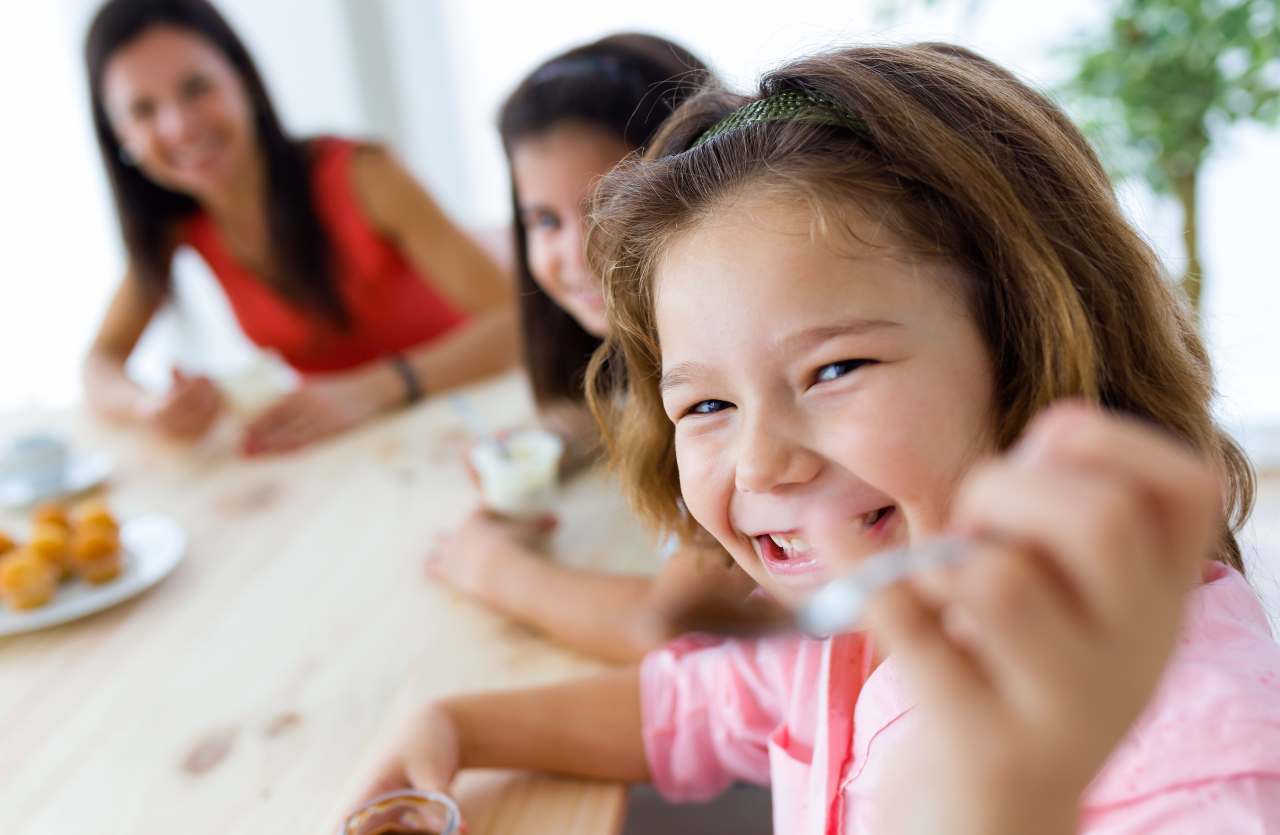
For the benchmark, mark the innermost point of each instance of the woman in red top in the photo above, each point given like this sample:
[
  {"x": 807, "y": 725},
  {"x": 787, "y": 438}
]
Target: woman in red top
[{"x": 329, "y": 252}]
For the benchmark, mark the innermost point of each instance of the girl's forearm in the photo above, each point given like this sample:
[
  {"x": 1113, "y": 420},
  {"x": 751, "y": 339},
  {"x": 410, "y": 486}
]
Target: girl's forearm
[
  {"x": 604, "y": 615},
  {"x": 585, "y": 728}
]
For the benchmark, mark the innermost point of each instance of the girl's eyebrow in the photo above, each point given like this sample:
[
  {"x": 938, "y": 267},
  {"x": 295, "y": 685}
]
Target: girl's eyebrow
[
  {"x": 677, "y": 375},
  {"x": 810, "y": 337},
  {"x": 683, "y": 372}
]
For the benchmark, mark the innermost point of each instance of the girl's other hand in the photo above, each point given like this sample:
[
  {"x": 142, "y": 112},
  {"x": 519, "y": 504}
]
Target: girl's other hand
[
  {"x": 476, "y": 556},
  {"x": 427, "y": 757},
  {"x": 187, "y": 410},
  {"x": 1033, "y": 657}
]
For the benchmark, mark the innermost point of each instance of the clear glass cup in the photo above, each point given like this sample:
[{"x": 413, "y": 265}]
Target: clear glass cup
[{"x": 405, "y": 812}]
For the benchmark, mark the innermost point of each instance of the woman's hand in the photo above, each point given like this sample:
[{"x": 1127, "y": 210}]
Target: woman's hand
[
  {"x": 320, "y": 408},
  {"x": 1033, "y": 657},
  {"x": 478, "y": 555},
  {"x": 186, "y": 411}
]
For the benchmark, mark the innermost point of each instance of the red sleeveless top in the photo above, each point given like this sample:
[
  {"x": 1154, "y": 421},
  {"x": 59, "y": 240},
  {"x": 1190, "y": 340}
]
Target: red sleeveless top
[{"x": 392, "y": 309}]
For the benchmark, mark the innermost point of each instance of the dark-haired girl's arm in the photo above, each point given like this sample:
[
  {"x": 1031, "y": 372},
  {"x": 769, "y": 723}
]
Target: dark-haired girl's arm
[{"x": 616, "y": 617}]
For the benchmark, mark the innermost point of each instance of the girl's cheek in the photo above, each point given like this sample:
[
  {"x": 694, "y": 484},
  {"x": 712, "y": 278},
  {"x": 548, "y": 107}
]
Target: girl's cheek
[{"x": 706, "y": 484}]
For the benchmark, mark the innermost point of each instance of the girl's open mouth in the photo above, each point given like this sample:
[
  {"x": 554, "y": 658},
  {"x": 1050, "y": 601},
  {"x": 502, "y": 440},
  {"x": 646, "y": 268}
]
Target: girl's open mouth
[{"x": 789, "y": 554}]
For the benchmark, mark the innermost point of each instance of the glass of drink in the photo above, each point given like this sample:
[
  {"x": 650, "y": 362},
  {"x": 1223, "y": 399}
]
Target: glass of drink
[{"x": 405, "y": 812}]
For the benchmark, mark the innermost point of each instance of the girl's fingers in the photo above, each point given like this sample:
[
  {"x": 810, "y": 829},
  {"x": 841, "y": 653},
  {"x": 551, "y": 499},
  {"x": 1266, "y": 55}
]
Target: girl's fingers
[
  {"x": 908, "y": 625},
  {"x": 1009, "y": 610},
  {"x": 1096, "y": 531},
  {"x": 390, "y": 776},
  {"x": 913, "y": 635},
  {"x": 1179, "y": 485}
]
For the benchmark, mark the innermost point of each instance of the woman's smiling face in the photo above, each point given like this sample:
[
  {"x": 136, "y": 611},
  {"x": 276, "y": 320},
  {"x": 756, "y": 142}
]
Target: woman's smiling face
[
  {"x": 181, "y": 110},
  {"x": 816, "y": 383}
]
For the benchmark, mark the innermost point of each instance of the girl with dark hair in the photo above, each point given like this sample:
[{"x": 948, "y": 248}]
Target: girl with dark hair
[
  {"x": 328, "y": 250},
  {"x": 565, "y": 126}
]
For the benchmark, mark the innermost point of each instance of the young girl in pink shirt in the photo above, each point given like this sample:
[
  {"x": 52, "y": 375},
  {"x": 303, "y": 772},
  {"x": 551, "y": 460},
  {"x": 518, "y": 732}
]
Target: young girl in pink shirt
[{"x": 844, "y": 314}]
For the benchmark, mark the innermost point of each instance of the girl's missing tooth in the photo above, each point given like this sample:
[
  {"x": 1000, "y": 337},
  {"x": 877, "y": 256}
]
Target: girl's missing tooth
[{"x": 846, "y": 310}]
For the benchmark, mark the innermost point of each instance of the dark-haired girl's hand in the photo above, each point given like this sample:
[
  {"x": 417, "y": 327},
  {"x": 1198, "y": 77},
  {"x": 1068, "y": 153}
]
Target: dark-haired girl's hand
[
  {"x": 1032, "y": 658},
  {"x": 484, "y": 550}
]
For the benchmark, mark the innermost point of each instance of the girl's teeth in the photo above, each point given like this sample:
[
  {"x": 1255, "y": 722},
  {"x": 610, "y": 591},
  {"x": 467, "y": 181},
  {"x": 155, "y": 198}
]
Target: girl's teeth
[{"x": 790, "y": 545}]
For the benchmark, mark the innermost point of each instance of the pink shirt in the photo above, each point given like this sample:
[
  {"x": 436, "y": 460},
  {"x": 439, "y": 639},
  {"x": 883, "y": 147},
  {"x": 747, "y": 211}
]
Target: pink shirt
[{"x": 811, "y": 719}]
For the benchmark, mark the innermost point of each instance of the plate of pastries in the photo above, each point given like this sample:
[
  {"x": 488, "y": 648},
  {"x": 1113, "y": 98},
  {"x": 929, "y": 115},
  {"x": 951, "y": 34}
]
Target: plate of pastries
[{"x": 71, "y": 561}]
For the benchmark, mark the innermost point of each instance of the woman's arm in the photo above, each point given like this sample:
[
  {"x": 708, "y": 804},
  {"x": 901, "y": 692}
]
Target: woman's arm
[
  {"x": 455, "y": 265},
  {"x": 185, "y": 411},
  {"x": 108, "y": 389},
  {"x": 616, "y": 617},
  {"x": 402, "y": 210},
  {"x": 453, "y": 262},
  {"x": 585, "y": 728},
  {"x": 327, "y": 405}
]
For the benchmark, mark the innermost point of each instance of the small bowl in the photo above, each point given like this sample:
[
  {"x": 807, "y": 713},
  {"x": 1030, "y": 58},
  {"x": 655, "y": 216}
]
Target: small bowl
[
  {"x": 405, "y": 812},
  {"x": 518, "y": 477}
]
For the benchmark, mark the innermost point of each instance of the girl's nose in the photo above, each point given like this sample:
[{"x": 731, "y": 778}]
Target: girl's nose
[{"x": 769, "y": 459}]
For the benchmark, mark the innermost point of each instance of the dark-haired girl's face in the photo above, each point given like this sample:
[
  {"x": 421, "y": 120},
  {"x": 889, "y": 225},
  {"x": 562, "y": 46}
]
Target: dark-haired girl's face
[
  {"x": 555, "y": 173},
  {"x": 180, "y": 110}
]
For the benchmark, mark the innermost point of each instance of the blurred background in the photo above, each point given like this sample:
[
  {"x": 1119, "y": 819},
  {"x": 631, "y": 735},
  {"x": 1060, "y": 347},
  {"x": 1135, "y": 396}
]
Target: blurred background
[{"x": 427, "y": 76}]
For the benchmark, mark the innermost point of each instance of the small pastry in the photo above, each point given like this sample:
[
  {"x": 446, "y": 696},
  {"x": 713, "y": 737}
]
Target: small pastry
[
  {"x": 26, "y": 580},
  {"x": 94, "y": 512},
  {"x": 51, "y": 513},
  {"x": 95, "y": 553},
  {"x": 51, "y": 543}
]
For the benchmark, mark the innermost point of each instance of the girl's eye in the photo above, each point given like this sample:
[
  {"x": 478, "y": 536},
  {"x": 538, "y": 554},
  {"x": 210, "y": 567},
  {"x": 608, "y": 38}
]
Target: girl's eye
[
  {"x": 708, "y": 407},
  {"x": 833, "y": 370},
  {"x": 542, "y": 220}
]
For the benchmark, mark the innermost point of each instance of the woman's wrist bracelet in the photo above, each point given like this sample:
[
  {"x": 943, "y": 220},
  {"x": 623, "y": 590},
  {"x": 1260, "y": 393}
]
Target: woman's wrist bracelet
[{"x": 413, "y": 388}]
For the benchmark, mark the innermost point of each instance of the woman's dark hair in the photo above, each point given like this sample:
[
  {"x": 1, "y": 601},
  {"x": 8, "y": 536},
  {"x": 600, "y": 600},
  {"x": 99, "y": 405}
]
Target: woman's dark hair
[
  {"x": 150, "y": 214},
  {"x": 628, "y": 85}
]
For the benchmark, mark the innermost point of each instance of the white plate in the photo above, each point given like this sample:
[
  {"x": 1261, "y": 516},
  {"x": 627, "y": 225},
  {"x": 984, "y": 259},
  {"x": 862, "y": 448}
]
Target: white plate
[
  {"x": 152, "y": 545},
  {"x": 85, "y": 470}
]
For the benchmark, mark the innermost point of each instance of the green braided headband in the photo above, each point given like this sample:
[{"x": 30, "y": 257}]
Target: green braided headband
[{"x": 788, "y": 106}]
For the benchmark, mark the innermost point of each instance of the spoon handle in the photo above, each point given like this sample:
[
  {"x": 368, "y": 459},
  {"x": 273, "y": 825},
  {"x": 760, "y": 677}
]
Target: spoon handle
[{"x": 838, "y": 605}]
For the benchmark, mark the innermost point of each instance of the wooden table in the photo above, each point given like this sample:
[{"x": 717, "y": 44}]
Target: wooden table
[{"x": 252, "y": 690}]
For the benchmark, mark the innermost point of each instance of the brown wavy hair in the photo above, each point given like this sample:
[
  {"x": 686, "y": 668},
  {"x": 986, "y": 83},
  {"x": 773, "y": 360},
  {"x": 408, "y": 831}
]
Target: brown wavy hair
[{"x": 963, "y": 161}]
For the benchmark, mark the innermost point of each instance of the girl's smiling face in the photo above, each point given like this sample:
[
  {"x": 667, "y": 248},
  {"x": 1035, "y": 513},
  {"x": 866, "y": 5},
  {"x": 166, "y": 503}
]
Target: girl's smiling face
[
  {"x": 816, "y": 383},
  {"x": 555, "y": 173}
]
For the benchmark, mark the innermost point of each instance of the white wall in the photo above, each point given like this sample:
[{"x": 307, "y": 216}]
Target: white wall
[{"x": 450, "y": 64}]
